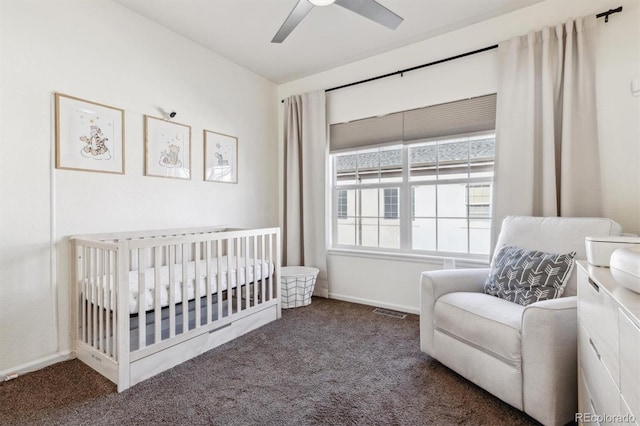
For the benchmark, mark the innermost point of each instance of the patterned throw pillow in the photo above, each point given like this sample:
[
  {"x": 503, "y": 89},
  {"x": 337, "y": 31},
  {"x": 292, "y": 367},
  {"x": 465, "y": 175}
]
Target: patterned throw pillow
[{"x": 527, "y": 276}]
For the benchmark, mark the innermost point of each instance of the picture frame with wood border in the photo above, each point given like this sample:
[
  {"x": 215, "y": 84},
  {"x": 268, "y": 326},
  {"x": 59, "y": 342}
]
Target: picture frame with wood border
[
  {"x": 89, "y": 136},
  {"x": 220, "y": 157},
  {"x": 167, "y": 148}
]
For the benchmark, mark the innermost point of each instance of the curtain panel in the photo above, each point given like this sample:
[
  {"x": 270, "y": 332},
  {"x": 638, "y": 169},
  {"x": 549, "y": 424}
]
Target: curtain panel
[
  {"x": 305, "y": 168},
  {"x": 547, "y": 160}
]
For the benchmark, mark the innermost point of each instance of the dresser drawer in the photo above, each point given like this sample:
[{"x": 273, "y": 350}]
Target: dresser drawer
[
  {"x": 604, "y": 393},
  {"x": 586, "y": 412},
  {"x": 599, "y": 315},
  {"x": 630, "y": 363}
]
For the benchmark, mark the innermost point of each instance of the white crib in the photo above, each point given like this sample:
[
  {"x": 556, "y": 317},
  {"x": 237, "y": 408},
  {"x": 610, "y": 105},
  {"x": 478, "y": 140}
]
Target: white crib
[{"x": 144, "y": 302}]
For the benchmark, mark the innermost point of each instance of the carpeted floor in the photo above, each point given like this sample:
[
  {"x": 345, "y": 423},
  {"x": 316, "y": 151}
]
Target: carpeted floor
[{"x": 330, "y": 363}]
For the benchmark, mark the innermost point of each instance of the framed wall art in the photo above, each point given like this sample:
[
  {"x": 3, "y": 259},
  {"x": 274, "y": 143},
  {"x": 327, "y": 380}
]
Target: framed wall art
[
  {"x": 167, "y": 147},
  {"x": 220, "y": 157},
  {"x": 89, "y": 136}
]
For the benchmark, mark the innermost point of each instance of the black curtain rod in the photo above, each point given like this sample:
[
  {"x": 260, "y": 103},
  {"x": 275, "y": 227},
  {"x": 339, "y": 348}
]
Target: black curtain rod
[
  {"x": 451, "y": 58},
  {"x": 401, "y": 72},
  {"x": 609, "y": 12}
]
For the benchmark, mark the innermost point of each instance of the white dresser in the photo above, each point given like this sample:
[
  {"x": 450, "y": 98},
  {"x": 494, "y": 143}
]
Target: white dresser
[{"x": 608, "y": 349}]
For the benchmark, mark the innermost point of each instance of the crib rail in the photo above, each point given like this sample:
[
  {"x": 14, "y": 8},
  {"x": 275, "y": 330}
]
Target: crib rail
[
  {"x": 135, "y": 235},
  {"x": 134, "y": 295}
]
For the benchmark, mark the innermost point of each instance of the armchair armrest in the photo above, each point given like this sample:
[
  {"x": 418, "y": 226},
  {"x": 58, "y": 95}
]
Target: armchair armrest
[
  {"x": 434, "y": 284},
  {"x": 549, "y": 359}
]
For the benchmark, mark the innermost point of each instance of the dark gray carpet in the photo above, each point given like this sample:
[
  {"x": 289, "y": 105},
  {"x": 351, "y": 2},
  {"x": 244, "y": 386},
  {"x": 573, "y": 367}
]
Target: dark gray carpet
[{"x": 330, "y": 363}]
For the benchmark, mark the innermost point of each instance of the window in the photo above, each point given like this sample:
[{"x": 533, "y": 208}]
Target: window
[
  {"x": 415, "y": 181},
  {"x": 451, "y": 180},
  {"x": 370, "y": 180},
  {"x": 479, "y": 200},
  {"x": 391, "y": 203},
  {"x": 431, "y": 196},
  {"x": 342, "y": 204}
]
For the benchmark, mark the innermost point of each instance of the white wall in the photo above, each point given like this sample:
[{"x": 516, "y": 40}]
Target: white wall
[
  {"x": 100, "y": 51},
  {"x": 618, "y": 62}
]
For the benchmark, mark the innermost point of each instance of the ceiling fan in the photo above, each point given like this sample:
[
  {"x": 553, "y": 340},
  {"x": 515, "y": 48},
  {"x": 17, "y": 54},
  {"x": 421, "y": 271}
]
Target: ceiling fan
[{"x": 370, "y": 9}]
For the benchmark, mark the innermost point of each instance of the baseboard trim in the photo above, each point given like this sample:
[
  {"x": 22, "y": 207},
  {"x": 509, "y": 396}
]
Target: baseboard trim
[
  {"x": 375, "y": 303},
  {"x": 35, "y": 365}
]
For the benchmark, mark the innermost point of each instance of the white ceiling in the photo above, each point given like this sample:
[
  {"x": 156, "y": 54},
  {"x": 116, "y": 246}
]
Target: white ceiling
[{"x": 330, "y": 36}]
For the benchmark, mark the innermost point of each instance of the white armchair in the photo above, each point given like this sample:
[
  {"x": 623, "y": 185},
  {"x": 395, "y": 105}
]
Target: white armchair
[{"x": 524, "y": 355}]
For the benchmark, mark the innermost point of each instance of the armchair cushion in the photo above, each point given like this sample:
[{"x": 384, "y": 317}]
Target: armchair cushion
[
  {"x": 487, "y": 323},
  {"x": 527, "y": 276}
]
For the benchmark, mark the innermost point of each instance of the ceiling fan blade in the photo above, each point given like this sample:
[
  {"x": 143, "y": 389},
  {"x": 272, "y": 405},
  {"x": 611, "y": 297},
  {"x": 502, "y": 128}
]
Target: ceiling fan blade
[
  {"x": 297, "y": 14},
  {"x": 373, "y": 10}
]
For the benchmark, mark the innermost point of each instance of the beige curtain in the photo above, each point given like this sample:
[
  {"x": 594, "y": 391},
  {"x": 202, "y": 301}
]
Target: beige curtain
[
  {"x": 547, "y": 161},
  {"x": 306, "y": 152}
]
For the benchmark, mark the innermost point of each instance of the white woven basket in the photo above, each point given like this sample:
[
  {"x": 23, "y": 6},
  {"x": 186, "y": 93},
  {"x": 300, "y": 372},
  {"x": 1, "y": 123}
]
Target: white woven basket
[{"x": 297, "y": 285}]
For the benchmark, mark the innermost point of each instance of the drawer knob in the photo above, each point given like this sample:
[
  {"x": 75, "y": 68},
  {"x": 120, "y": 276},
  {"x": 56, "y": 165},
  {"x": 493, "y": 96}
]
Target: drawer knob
[{"x": 595, "y": 286}]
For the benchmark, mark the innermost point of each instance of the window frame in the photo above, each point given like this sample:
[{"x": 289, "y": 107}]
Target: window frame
[{"x": 405, "y": 200}]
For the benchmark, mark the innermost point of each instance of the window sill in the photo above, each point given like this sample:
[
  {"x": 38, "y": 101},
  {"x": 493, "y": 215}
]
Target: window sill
[{"x": 459, "y": 262}]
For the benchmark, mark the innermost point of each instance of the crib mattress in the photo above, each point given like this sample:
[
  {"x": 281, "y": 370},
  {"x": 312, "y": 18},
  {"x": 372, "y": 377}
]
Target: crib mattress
[{"x": 265, "y": 269}]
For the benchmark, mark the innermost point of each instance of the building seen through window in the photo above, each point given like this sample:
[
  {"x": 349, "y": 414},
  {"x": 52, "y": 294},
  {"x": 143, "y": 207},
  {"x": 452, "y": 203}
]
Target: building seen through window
[
  {"x": 391, "y": 203},
  {"x": 342, "y": 204},
  {"x": 440, "y": 201}
]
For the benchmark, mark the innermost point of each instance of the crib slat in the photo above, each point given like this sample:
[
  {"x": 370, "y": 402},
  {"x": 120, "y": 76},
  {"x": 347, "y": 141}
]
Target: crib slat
[
  {"x": 80, "y": 294},
  {"x": 219, "y": 276},
  {"x": 230, "y": 253},
  {"x": 257, "y": 268},
  {"x": 116, "y": 306},
  {"x": 247, "y": 270},
  {"x": 100, "y": 298},
  {"x": 208, "y": 281},
  {"x": 247, "y": 284},
  {"x": 94, "y": 299},
  {"x": 90, "y": 285},
  {"x": 172, "y": 289},
  {"x": 105, "y": 296},
  {"x": 276, "y": 274},
  {"x": 272, "y": 283},
  {"x": 238, "y": 276},
  {"x": 157, "y": 297},
  {"x": 251, "y": 282},
  {"x": 85, "y": 292},
  {"x": 196, "y": 285},
  {"x": 262, "y": 272},
  {"x": 185, "y": 298},
  {"x": 75, "y": 297},
  {"x": 90, "y": 295},
  {"x": 122, "y": 312},
  {"x": 142, "y": 305},
  {"x": 107, "y": 303}
]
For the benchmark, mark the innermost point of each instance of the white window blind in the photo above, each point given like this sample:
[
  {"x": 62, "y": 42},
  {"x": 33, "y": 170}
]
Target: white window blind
[
  {"x": 452, "y": 118},
  {"x": 368, "y": 131}
]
